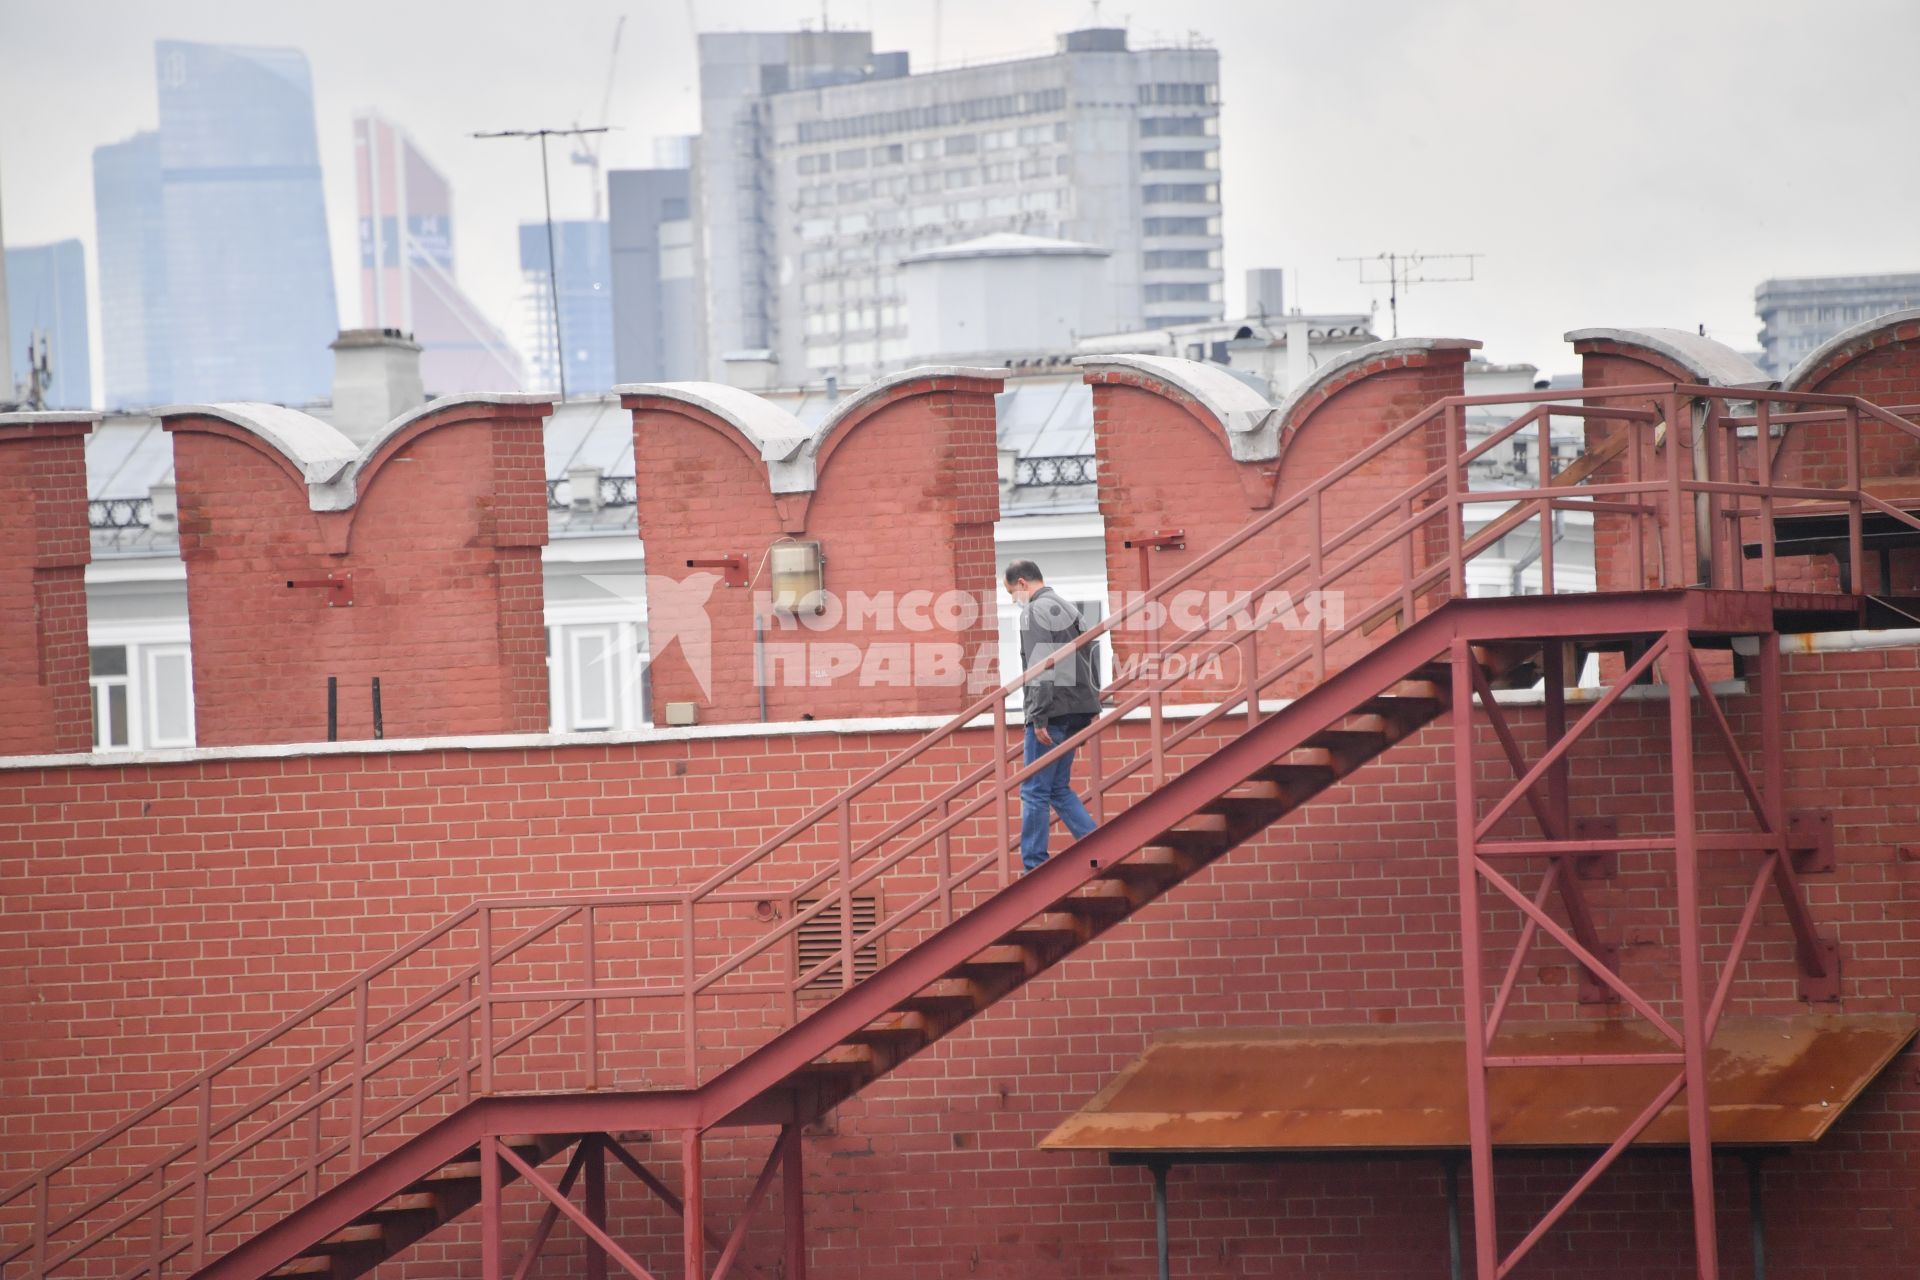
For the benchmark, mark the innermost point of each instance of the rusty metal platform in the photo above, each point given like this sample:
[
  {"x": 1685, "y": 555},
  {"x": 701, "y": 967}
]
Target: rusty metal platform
[{"x": 1776, "y": 1082}]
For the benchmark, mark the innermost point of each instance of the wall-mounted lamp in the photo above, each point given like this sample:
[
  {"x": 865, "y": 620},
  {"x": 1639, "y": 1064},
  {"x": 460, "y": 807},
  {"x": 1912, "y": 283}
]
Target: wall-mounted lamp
[{"x": 799, "y": 577}]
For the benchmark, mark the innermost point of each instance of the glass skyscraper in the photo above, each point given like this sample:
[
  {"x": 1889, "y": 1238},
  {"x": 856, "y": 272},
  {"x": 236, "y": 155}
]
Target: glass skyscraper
[
  {"x": 585, "y": 275},
  {"x": 47, "y": 298},
  {"x": 238, "y": 302},
  {"x": 136, "y": 362}
]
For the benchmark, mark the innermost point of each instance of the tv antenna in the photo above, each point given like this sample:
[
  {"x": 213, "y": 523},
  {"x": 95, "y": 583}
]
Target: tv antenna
[
  {"x": 1404, "y": 270},
  {"x": 546, "y": 189}
]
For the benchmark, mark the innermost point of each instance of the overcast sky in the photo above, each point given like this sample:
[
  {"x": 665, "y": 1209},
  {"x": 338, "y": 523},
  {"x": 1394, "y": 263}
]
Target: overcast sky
[{"x": 1619, "y": 162}]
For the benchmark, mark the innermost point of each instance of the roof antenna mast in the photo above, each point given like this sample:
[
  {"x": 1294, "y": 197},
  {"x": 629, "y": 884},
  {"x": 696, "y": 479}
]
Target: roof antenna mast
[{"x": 1404, "y": 270}]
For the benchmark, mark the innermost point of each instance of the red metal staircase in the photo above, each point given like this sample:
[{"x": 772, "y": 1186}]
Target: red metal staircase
[{"x": 519, "y": 1030}]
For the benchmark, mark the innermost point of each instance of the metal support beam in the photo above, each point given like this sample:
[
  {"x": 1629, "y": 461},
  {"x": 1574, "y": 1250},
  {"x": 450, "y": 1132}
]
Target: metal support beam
[
  {"x": 1693, "y": 997},
  {"x": 596, "y": 1195},
  {"x": 793, "y": 1197},
  {"x": 693, "y": 1212},
  {"x": 1162, "y": 1249}
]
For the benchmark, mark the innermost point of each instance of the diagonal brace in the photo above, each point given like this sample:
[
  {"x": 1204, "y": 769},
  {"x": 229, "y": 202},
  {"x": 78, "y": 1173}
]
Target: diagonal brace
[
  {"x": 675, "y": 1205},
  {"x": 1572, "y": 897},
  {"x": 626, "y": 1260},
  {"x": 552, "y": 1215}
]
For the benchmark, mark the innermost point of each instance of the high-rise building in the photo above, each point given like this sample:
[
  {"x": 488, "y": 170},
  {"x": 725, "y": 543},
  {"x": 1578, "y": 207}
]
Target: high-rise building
[
  {"x": 46, "y": 297},
  {"x": 584, "y": 271},
  {"x": 821, "y": 165},
  {"x": 655, "y": 312},
  {"x": 406, "y": 216},
  {"x": 237, "y": 303},
  {"x": 6, "y": 339},
  {"x": 1797, "y": 315},
  {"x": 130, "y": 237}
]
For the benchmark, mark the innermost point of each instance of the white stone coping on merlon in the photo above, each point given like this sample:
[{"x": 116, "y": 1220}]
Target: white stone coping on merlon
[
  {"x": 1818, "y": 356},
  {"x": 1252, "y": 426},
  {"x": 48, "y": 417},
  {"x": 1372, "y": 351},
  {"x": 789, "y": 450},
  {"x": 1713, "y": 364},
  {"x": 327, "y": 460}
]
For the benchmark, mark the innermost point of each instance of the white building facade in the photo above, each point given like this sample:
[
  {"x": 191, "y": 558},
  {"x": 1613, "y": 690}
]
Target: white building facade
[{"x": 813, "y": 190}]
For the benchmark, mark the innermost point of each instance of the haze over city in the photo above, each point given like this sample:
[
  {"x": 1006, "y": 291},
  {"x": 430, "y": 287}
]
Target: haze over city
[{"x": 1651, "y": 168}]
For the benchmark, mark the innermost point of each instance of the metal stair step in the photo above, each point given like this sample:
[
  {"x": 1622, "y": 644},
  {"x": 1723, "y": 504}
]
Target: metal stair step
[
  {"x": 1046, "y": 931},
  {"x": 458, "y": 1171},
  {"x": 1354, "y": 744},
  {"x": 1154, "y": 864},
  {"x": 910, "y": 1030},
  {"x": 1400, "y": 708},
  {"x": 999, "y": 959},
  {"x": 352, "y": 1237},
  {"x": 944, "y": 996},
  {"x": 1100, "y": 899},
  {"x": 406, "y": 1202},
  {"x": 305, "y": 1265}
]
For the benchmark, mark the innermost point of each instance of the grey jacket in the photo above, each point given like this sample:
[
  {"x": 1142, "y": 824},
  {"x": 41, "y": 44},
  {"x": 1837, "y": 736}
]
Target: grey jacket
[{"x": 1047, "y": 623}]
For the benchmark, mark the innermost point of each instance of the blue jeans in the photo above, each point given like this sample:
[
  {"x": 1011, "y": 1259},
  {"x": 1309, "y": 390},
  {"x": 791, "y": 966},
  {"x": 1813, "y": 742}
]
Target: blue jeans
[{"x": 1050, "y": 791}]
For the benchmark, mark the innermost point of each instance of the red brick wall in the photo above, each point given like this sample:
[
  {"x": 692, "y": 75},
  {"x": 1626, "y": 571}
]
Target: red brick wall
[
  {"x": 907, "y": 495},
  {"x": 1882, "y": 367},
  {"x": 1164, "y": 464},
  {"x": 443, "y": 545},
  {"x": 158, "y": 914},
  {"x": 45, "y": 703}
]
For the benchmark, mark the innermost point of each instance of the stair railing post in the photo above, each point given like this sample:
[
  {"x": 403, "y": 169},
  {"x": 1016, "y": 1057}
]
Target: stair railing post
[
  {"x": 313, "y": 1137},
  {"x": 1856, "y": 553},
  {"x": 42, "y": 1188},
  {"x": 486, "y": 999},
  {"x": 1250, "y": 659},
  {"x": 466, "y": 1043},
  {"x": 1673, "y": 537},
  {"x": 1763, "y": 460},
  {"x": 592, "y": 1019},
  {"x": 846, "y": 894},
  {"x": 1098, "y": 772},
  {"x": 202, "y": 1154},
  {"x": 945, "y": 842},
  {"x": 1003, "y": 829},
  {"x": 1642, "y": 500},
  {"x": 1456, "y": 447},
  {"x": 689, "y": 998},
  {"x": 359, "y": 1101},
  {"x": 1319, "y": 584}
]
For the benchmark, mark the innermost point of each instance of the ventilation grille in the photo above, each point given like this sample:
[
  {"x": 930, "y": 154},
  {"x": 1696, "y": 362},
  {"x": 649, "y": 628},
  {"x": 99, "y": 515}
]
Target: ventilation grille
[{"x": 817, "y": 940}]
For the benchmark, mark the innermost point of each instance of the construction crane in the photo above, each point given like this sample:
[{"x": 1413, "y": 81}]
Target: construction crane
[{"x": 587, "y": 145}]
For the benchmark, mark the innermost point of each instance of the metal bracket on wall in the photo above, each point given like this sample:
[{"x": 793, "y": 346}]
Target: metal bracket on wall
[
  {"x": 1810, "y": 841},
  {"x": 733, "y": 569},
  {"x": 338, "y": 586},
  {"x": 1158, "y": 540}
]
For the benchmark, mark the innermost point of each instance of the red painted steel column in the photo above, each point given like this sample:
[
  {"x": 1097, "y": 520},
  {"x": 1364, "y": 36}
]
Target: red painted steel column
[
  {"x": 793, "y": 1196},
  {"x": 1472, "y": 984},
  {"x": 1693, "y": 1003},
  {"x": 693, "y": 1216},
  {"x": 596, "y": 1196},
  {"x": 489, "y": 1207}
]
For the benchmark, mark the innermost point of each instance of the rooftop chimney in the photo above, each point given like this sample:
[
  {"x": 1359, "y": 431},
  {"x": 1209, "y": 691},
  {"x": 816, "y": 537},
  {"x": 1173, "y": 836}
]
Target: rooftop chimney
[{"x": 376, "y": 378}]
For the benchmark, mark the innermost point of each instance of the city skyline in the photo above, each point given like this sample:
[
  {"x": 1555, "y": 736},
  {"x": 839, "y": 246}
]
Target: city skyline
[{"x": 1361, "y": 137}]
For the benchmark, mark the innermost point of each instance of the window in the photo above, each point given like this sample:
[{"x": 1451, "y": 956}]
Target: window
[
  {"x": 112, "y": 726},
  {"x": 1173, "y": 126},
  {"x": 1179, "y": 95},
  {"x": 142, "y": 696},
  {"x": 962, "y": 144},
  {"x": 851, "y": 158},
  {"x": 1170, "y": 259},
  {"x": 597, "y": 673},
  {"x": 1179, "y": 292},
  {"x": 1181, "y": 193},
  {"x": 1174, "y": 159},
  {"x": 1179, "y": 226}
]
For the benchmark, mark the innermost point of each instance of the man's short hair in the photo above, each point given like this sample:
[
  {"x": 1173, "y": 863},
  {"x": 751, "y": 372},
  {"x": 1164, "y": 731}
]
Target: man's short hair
[{"x": 1023, "y": 571}]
